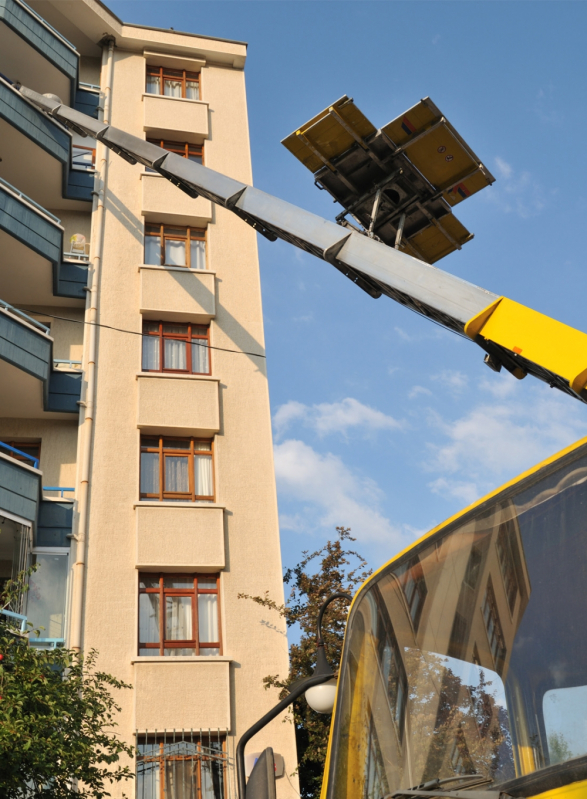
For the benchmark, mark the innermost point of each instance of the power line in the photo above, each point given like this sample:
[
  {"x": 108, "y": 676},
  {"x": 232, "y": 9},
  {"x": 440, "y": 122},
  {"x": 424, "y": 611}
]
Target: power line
[{"x": 135, "y": 333}]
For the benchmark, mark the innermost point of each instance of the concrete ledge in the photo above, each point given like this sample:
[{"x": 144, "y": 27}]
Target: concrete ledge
[
  {"x": 178, "y": 407},
  {"x": 164, "y": 202},
  {"x": 173, "y": 695},
  {"x": 170, "y": 538},
  {"x": 177, "y": 294},
  {"x": 175, "y": 119}
]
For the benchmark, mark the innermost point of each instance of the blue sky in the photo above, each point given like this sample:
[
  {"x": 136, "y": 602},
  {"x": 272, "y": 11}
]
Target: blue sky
[{"x": 383, "y": 421}]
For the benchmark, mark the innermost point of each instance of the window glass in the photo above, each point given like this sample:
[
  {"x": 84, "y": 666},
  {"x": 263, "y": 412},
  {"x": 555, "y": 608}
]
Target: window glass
[
  {"x": 192, "y": 90},
  {"x": 175, "y": 354},
  {"x": 149, "y": 473},
  {"x": 174, "y": 253},
  {"x": 203, "y": 475},
  {"x": 148, "y": 581},
  {"x": 208, "y": 617},
  {"x": 176, "y": 474},
  {"x": 186, "y": 476},
  {"x": 178, "y": 582},
  {"x": 149, "y": 620},
  {"x": 153, "y": 250},
  {"x": 198, "y": 254},
  {"x": 178, "y": 618},
  {"x": 153, "y": 84},
  {"x": 200, "y": 362},
  {"x": 47, "y": 593},
  {"x": 151, "y": 353},
  {"x": 209, "y": 651},
  {"x": 172, "y": 87},
  {"x": 174, "y": 443},
  {"x": 176, "y": 652},
  {"x": 565, "y": 720}
]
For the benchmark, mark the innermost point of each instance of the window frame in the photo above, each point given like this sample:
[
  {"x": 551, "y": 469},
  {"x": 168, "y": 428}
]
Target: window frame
[
  {"x": 174, "y": 74},
  {"x": 495, "y": 636},
  {"x": 19, "y": 445},
  {"x": 81, "y": 167},
  {"x": 191, "y": 234},
  {"x": 188, "y": 338},
  {"x": 179, "y": 147},
  {"x": 162, "y": 591},
  {"x": 175, "y": 496}
]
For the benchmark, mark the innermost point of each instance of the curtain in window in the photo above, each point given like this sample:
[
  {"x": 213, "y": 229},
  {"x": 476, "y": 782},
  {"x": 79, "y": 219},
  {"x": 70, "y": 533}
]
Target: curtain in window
[
  {"x": 153, "y": 250},
  {"x": 208, "y": 618},
  {"x": 150, "y": 353},
  {"x": 174, "y": 252},
  {"x": 198, "y": 254},
  {"x": 181, "y": 779},
  {"x": 203, "y": 475},
  {"x": 149, "y": 473},
  {"x": 176, "y": 474},
  {"x": 149, "y": 620},
  {"x": 153, "y": 85},
  {"x": 178, "y": 618},
  {"x": 200, "y": 354},
  {"x": 172, "y": 87},
  {"x": 175, "y": 353},
  {"x": 148, "y": 780},
  {"x": 192, "y": 90}
]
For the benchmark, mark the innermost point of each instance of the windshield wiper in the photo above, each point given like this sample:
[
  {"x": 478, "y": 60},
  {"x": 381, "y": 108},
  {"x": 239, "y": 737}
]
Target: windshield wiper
[{"x": 434, "y": 788}]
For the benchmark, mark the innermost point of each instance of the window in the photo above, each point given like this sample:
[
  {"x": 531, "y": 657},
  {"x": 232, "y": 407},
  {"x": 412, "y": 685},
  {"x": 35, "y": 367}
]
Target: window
[
  {"x": 493, "y": 627},
  {"x": 176, "y": 469},
  {"x": 176, "y": 348},
  {"x": 46, "y": 597},
  {"x": 181, "y": 765},
  {"x": 27, "y": 451},
  {"x": 193, "y": 152},
  {"x": 178, "y": 614},
  {"x": 506, "y": 563},
  {"x": 83, "y": 157},
  {"x": 414, "y": 587},
  {"x": 173, "y": 82},
  {"x": 175, "y": 246}
]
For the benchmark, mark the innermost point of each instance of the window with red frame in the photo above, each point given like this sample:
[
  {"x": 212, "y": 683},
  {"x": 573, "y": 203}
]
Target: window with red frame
[
  {"x": 193, "y": 152},
  {"x": 176, "y": 469},
  {"x": 173, "y": 82},
  {"x": 179, "y": 614},
  {"x": 166, "y": 245},
  {"x": 176, "y": 348}
]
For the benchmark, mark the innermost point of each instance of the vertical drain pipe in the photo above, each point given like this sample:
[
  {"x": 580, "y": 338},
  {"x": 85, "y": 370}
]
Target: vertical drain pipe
[{"x": 91, "y": 330}]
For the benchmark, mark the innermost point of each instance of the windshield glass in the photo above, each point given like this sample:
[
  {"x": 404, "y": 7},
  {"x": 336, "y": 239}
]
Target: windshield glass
[{"x": 468, "y": 655}]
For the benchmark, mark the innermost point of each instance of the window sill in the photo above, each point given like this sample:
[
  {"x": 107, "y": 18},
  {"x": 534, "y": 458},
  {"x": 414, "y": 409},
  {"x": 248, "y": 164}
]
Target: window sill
[
  {"x": 177, "y": 269},
  {"x": 182, "y": 659},
  {"x": 176, "y": 99},
  {"x": 163, "y": 504},
  {"x": 178, "y": 376}
]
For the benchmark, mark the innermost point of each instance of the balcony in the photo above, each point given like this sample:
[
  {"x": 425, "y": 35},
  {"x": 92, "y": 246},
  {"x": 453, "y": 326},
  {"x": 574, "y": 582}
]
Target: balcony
[
  {"x": 29, "y": 137},
  {"x": 164, "y": 202},
  {"x": 178, "y": 404},
  {"x": 175, "y": 119},
  {"x": 162, "y": 701},
  {"x": 177, "y": 294},
  {"x": 31, "y": 386},
  {"x": 20, "y": 484},
  {"x": 31, "y": 242},
  {"x": 173, "y": 537}
]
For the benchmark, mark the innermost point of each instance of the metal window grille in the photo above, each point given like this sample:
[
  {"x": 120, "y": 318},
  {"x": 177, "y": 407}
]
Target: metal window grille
[
  {"x": 184, "y": 764},
  {"x": 20, "y": 561}
]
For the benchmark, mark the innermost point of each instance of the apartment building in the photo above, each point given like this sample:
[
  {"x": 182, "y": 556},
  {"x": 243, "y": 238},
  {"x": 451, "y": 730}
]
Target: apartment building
[{"x": 135, "y": 457}]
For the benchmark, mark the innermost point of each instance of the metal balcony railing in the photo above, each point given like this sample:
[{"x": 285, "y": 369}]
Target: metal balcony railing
[
  {"x": 18, "y": 617},
  {"x": 60, "y": 363},
  {"x": 61, "y": 489},
  {"x": 21, "y": 455},
  {"x": 22, "y": 315},
  {"x": 25, "y": 199},
  {"x": 45, "y": 24}
]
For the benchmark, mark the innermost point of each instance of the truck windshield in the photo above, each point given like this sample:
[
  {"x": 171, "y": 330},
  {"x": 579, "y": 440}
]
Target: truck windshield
[{"x": 468, "y": 655}]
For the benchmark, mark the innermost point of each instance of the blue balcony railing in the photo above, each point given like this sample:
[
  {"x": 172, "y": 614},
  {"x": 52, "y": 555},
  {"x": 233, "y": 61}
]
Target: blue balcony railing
[
  {"x": 49, "y": 27},
  {"x": 21, "y": 454},
  {"x": 62, "y": 490},
  {"x": 17, "y": 617},
  {"x": 22, "y": 315}
]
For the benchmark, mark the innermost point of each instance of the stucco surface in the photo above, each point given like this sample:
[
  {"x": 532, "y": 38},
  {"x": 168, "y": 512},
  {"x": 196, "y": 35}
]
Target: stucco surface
[
  {"x": 164, "y": 202},
  {"x": 177, "y": 294},
  {"x": 178, "y": 537},
  {"x": 178, "y": 406},
  {"x": 175, "y": 118}
]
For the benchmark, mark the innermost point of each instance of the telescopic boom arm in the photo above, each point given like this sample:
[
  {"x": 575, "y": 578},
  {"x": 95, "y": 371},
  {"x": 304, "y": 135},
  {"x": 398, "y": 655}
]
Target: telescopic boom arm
[{"x": 513, "y": 336}]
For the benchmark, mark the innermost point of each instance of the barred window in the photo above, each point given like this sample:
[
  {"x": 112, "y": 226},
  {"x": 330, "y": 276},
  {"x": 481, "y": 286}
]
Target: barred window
[{"x": 183, "y": 765}]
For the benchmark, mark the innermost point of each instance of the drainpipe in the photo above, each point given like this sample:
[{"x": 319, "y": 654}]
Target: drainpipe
[{"x": 89, "y": 367}]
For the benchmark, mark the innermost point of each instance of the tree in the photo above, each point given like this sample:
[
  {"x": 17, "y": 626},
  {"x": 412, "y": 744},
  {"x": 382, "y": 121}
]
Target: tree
[
  {"x": 308, "y": 590},
  {"x": 57, "y": 718}
]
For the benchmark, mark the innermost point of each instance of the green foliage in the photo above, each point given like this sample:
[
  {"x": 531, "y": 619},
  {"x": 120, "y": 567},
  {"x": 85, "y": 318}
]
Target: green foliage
[
  {"x": 57, "y": 719},
  {"x": 558, "y": 748},
  {"x": 308, "y": 590}
]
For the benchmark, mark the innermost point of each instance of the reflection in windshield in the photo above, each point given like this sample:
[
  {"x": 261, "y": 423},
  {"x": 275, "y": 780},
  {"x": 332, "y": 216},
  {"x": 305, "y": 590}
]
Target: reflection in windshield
[{"x": 468, "y": 655}]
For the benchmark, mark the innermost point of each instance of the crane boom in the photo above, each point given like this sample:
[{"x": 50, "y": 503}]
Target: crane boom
[{"x": 513, "y": 336}]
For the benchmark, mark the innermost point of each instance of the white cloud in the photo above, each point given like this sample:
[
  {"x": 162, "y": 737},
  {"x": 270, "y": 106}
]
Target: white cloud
[
  {"x": 331, "y": 494},
  {"x": 416, "y": 391},
  {"x": 455, "y": 382},
  {"x": 505, "y": 170},
  {"x": 517, "y": 192},
  {"x": 333, "y": 417},
  {"x": 496, "y": 441}
]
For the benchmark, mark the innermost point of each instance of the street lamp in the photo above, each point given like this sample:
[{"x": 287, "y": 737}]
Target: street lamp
[{"x": 320, "y": 690}]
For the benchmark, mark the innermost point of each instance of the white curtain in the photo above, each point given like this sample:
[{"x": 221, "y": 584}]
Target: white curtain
[
  {"x": 151, "y": 353},
  {"x": 192, "y": 90},
  {"x": 153, "y": 250},
  {"x": 200, "y": 362},
  {"x": 153, "y": 85},
  {"x": 149, "y": 473},
  {"x": 198, "y": 254},
  {"x": 208, "y": 618},
  {"x": 178, "y": 618},
  {"x": 172, "y": 88},
  {"x": 174, "y": 253},
  {"x": 149, "y": 619},
  {"x": 175, "y": 353},
  {"x": 203, "y": 475},
  {"x": 176, "y": 474}
]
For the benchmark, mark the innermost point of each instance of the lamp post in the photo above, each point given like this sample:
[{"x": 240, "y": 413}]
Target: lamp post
[{"x": 322, "y": 674}]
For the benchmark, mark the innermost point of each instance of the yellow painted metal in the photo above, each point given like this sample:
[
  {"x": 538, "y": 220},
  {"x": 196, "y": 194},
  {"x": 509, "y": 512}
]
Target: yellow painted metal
[
  {"x": 576, "y": 790},
  {"x": 432, "y": 244},
  {"x": 538, "y": 338},
  {"x": 327, "y": 135}
]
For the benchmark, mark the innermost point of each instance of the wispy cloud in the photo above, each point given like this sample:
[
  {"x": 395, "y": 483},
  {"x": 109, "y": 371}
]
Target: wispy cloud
[
  {"x": 417, "y": 391},
  {"x": 545, "y": 107},
  {"x": 455, "y": 382},
  {"x": 331, "y": 494},
  {"x": 333, "y": 417},
  {"x": 517, "y": 192}
]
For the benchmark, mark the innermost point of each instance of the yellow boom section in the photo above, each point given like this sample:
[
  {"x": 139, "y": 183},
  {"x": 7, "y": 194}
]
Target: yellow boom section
[{"x": 534, "y": 337}]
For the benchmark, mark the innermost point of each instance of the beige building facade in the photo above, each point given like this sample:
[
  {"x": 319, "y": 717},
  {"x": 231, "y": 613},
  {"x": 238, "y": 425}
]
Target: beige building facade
[{"x": 136, "y": 454}]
